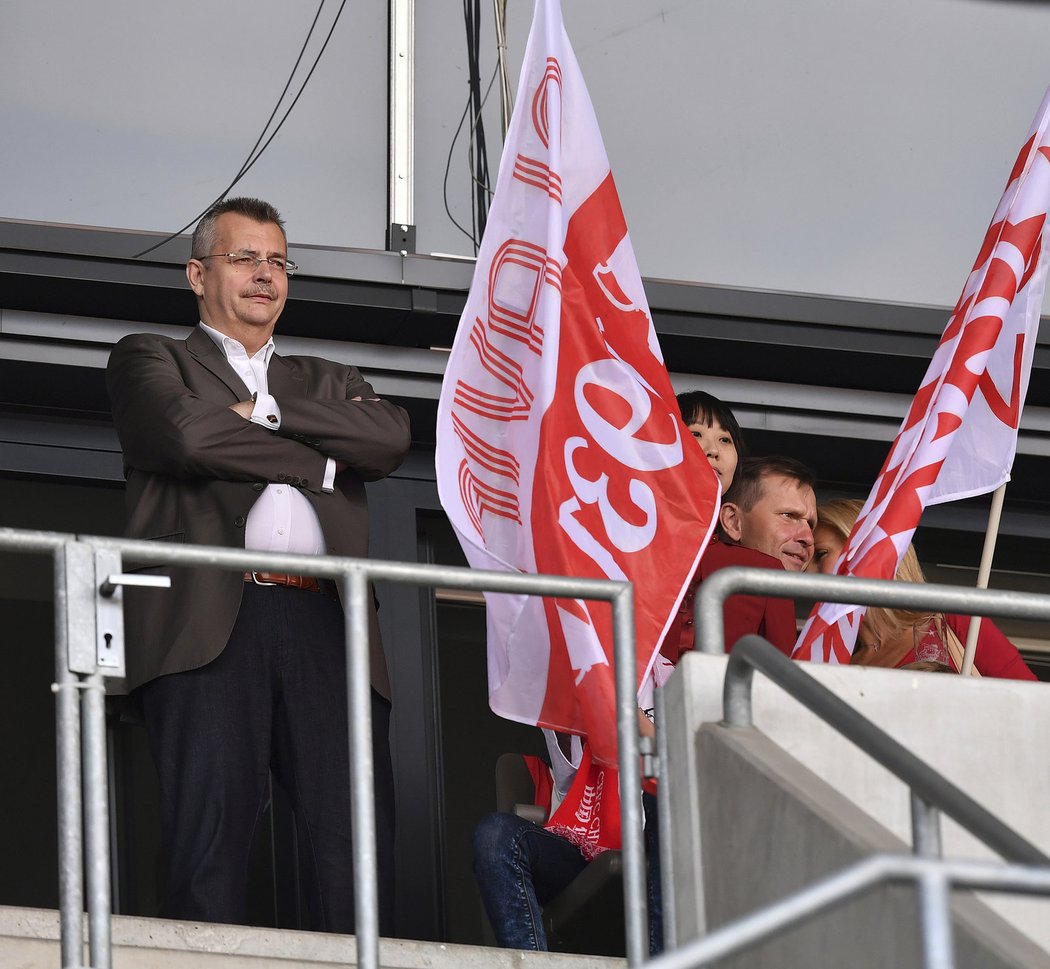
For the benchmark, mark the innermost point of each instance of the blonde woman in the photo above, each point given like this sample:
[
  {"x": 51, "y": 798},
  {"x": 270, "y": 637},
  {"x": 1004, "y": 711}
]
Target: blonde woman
[{"x": 899, "y": 637}]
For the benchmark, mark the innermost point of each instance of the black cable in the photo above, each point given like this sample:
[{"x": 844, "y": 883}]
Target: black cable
[
  {"x": 256, "y": 151},
  {"x": 472, "y": 32},
  {"x": 484, "y": 185},
  {"x": 448, "y": 165},
  {"x": 477, "y": 153}
]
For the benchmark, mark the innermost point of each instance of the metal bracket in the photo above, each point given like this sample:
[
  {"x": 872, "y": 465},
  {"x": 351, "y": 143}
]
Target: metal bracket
[
  {"x": 78, "y": 576},
  {"x": 109, "y": 609},
  {"x": 401, "y": 237},
  {"x": 109, "y": 616}
]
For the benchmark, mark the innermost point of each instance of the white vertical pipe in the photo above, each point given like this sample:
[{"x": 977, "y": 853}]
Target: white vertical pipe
[{"x": 401, "y": 113}]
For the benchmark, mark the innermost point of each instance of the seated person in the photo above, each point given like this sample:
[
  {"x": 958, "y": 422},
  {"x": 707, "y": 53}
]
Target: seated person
[
  {"x": 520, "y": 866},
  {"x": 766, "y": 521},
  {"x": 899, "y": 637}
]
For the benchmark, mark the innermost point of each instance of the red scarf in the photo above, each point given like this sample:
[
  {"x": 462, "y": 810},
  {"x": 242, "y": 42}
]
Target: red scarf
[{"x": 589, "y": 816}]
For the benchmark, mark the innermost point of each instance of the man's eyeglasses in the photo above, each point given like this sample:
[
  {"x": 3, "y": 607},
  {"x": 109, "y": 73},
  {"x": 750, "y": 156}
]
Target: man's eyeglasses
[{"x": 246, "y": 261}]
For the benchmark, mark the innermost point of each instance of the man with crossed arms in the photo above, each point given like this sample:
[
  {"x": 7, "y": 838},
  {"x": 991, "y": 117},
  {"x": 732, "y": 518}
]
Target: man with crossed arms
[{"x": 228, "y": 443}]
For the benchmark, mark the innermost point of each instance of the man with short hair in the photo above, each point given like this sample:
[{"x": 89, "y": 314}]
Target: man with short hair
[
  {"x": 766, "y": 521},
  {"x": 228, "y": 443},
  {"x": 771, "y": 507}
]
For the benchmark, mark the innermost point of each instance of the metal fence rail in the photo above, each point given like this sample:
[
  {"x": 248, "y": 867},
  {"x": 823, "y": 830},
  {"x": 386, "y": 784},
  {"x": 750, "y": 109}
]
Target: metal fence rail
[
  {"x": 1001, "y": 603},
  {"x": 88, "y": 575},
  {"x": 88, "y": 579}
]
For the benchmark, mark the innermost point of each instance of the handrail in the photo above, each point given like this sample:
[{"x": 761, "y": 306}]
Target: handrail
[
  {"x": 353, "y": 576},
  {"x": 1004, "y": 603},
  {"x": 753, "y": 652}
]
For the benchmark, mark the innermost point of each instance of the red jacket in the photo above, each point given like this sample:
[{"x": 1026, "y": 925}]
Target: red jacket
[{"x": 772, "y": 618}]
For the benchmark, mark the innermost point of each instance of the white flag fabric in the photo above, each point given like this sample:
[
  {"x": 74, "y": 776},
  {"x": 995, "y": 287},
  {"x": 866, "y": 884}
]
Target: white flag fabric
[
  {"x": 960, "y": 434},
  {"x": 559, "y": 444}
]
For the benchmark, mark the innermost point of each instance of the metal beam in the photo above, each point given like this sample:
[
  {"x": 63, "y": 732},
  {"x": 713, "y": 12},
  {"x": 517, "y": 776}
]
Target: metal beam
[{"x": 401, "y": 157}]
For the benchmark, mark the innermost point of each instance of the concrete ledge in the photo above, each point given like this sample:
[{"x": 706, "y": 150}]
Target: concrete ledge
[
  {"x": 774, "y": 827},
  {"x": 973, "y": 731},
  {"x": 29, "y": 939}
]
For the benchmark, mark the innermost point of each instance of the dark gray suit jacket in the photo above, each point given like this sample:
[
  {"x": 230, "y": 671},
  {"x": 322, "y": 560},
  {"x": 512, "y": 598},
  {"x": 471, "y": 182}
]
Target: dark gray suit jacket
[{"x": 194, "y": 469}]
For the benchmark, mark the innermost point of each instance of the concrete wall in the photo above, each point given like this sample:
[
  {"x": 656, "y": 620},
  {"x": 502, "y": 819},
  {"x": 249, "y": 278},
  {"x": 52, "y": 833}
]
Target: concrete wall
[
  {"x": 774, "y": 827},
  {"x": 982, "y": 734},
  {"x": 852, "y": 147}
]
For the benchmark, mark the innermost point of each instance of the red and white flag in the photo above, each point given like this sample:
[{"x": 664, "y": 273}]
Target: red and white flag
[
  {"x": 960, "y": 434},
  {"x": 559, "y": 444}
]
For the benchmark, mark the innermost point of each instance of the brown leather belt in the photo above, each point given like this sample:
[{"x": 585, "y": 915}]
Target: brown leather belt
[{"x": 308, "y": 583}]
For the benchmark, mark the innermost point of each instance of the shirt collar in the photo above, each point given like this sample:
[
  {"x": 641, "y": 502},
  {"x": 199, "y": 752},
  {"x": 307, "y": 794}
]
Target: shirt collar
[{"x": 229, "y": 345}]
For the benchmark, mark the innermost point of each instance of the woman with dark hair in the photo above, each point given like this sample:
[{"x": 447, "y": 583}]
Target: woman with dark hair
[{"x": 716, "y": 429}]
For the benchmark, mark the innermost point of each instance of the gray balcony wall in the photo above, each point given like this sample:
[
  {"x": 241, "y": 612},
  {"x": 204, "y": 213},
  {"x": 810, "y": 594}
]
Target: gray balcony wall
[{"x": 855, "y": 148}]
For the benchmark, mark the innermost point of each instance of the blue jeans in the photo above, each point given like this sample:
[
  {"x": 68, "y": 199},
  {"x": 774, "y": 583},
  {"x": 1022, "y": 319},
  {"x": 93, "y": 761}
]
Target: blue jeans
[
  {"x": 655, "y": 886},
  {"x": 520, "y": 867}
]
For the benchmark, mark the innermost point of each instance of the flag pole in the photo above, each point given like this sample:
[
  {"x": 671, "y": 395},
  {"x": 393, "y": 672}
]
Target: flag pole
[{"x": 984, "y": 572}]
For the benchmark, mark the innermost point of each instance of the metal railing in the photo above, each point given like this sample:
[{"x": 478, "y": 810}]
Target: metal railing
[
  {"x": 1000, "y": 603},
  {"x": 931, "y": 793},
  {"x": 88, "y": 578}
]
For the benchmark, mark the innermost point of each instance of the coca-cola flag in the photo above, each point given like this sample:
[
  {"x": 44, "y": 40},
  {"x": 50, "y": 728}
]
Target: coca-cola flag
[
  {"x": 960, "y": 434},
  {"x": 559, "y": 445}
]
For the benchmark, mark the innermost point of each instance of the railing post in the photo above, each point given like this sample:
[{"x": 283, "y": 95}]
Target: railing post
[
  {"x": 934, "y": 897},
  {"x": 935, "y": 919},
  {"x": 925, "y": 827},
  {"x": 736, "y": 693},
  {"x": 362, "y": 798},
  {"x": 70, "y": 814},
  {"x": 96, "y": 820},
  {"x": 663, "y": 811},
  {"x": 635, "y": 907}
]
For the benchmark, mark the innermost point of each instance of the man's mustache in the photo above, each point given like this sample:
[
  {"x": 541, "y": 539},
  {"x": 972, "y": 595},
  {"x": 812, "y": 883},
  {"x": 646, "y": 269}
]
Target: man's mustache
[{"x": 260, "y": 291}]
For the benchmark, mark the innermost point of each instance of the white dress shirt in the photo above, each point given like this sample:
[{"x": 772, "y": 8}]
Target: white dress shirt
[{"x": 282, "y": 519}]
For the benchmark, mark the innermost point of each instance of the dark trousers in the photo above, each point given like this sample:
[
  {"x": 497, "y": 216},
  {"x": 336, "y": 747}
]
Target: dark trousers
[{"x": 274, "y": 699}]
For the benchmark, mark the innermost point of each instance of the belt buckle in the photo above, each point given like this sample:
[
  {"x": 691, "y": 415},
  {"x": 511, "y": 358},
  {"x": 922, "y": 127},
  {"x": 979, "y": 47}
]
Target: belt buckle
[{"x": 265, "y": 585}]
